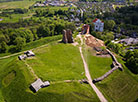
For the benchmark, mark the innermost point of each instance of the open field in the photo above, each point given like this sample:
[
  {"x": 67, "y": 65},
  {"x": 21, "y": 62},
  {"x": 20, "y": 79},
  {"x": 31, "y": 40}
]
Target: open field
[
  {"x": 119, "y": 86},
  {"x": 52, "y": 8},
  {"x": 58, "y": 62},
  {"x": 16, "y": 4},
  {"x": 55, "y": 62},
  {"x": 15, "y": 18}
]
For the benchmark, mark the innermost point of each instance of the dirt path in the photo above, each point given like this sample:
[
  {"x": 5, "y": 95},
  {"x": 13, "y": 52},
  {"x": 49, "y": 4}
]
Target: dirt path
[{"x": 99, "y": 94}]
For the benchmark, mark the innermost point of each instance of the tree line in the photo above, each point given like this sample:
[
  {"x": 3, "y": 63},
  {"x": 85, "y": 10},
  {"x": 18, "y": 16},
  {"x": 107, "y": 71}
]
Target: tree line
[{"x": 13, "y": 39}]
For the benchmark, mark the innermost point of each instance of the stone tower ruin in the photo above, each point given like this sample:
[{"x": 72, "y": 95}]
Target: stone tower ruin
[{"x": 67, "y": 36}]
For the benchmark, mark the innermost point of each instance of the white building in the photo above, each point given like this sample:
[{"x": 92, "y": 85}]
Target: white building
[{"x": 98, "y": 25}]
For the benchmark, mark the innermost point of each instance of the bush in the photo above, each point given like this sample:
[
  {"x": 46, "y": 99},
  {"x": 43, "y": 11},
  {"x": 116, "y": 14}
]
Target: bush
[{"x": 132, "y": 60}]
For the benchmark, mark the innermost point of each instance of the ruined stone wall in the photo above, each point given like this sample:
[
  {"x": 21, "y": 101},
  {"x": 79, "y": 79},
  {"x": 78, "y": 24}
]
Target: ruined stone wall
[
  {"x": 67, "y": 36},
  {"x": 116, "y": 65}
]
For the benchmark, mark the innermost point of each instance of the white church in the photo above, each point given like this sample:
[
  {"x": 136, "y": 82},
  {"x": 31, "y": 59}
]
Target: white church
[{"x": 98, "y": 25}]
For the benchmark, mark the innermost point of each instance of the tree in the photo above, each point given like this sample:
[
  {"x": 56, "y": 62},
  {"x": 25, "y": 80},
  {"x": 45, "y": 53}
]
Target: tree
[
  {"x": 20, "y": 42},
  {"x": 43, "y": 31},
  {"x": 3, "y": 47},
  {"x": 132, "y": 60},
  {"x": 108, "y": 35},
  {"x": 59, "y": 28},
  {"x": 109, "y": 24},
  {"x": 118, "y": 30},
  {"x": 2, "y": 38},
  {"x": 70, "y": 26},
  {"x": 19, "y": 10},
  {"x": 29, "y": 36}
]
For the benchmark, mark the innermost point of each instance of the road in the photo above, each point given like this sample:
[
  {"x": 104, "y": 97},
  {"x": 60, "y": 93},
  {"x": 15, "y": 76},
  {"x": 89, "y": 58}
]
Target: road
[{"x": 87, "y": 74}]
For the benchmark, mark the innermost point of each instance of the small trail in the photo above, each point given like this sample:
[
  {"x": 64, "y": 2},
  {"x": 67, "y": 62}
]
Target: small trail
[
  {"x": 99, "y": 94},
  {"x": 30, "y": 69}
]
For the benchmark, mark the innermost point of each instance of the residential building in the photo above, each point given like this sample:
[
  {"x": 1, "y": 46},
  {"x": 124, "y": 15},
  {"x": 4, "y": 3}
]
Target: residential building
[{"x": 98, "y": 25}]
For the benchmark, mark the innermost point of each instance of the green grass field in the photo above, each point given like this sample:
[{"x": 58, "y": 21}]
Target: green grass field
[
  {"x": 97, "y": 65},
  {"x": 56, "y": 62},
  {"x": 16, "y": 4},
  {"x": 117, "y": 87}
]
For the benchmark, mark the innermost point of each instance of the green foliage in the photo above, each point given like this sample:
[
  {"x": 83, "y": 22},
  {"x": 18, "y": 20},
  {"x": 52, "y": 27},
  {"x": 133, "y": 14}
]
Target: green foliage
[
  {"x": 2, "y": 38},
  {"x": 20, "y": 42},
  {"x": 43, "y": 31},
  {"x": 45, "y": 27},
  {"x": 70, "y": 26},
  {"x": 130, "y": 14},
  {"x": 132, "y": 60},
  {"x": 117, "y": 48},
  {"x": 118, "y": 30},
  {"x": 19, "y": 10},
  {"x": 50, "y": 12},
  {"x": 103, "y": 35},
  {"x": 109, "y": 24},
  {"x": 3, "y": 47}
]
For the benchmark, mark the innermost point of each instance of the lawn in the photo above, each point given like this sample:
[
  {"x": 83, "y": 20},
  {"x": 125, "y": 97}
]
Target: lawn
[
  {"x": 58, "y": 62},
  {"x": 16, "y": 4},
  {"x": 55, "y": 62},
  {"x": 119, "y": 86},
  {"x": 98, "y": 66}
]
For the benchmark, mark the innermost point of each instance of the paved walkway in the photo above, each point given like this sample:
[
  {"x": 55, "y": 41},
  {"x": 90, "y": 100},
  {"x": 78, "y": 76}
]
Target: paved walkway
[{"x": 99, "y": 94}]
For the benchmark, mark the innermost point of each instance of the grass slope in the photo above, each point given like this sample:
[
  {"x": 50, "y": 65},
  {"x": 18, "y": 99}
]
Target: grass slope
[
  {"x": 119, "y": 86},
  {"x": 55, "y": 62},
  {"x": 58, "y": 62}
]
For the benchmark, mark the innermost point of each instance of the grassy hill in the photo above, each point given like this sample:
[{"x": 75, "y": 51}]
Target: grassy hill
[
  {"x": 119, "y": 86},
  {"x": 56, "y": 62}
]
